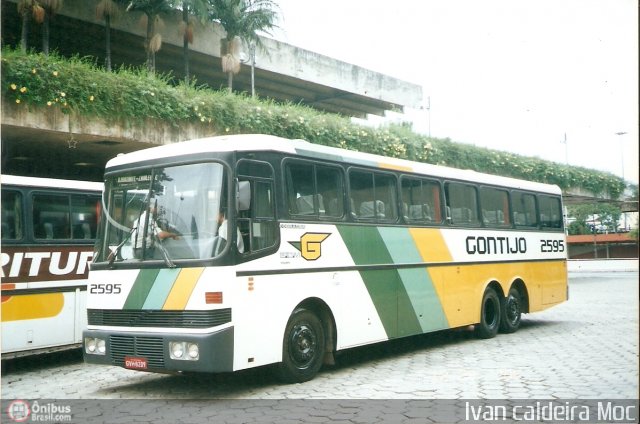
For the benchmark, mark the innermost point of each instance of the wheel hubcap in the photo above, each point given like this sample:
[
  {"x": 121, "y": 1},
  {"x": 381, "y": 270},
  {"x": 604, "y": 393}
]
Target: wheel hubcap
[
  {"x": 303, "y": 345},
  {"x": 513, "y": 309}
]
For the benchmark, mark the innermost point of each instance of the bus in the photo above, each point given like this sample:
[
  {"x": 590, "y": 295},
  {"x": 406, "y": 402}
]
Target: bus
[
  {"x": 48, "y": 231},
  {"x": 231, "y": 252}
]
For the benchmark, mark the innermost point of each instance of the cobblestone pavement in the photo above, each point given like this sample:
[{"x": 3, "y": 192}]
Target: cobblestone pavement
[{"x": 586, "y": 348}]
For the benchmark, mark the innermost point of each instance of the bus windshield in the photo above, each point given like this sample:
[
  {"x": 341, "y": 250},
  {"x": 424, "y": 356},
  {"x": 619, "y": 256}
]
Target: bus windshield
[{"x": 165, "y": 214}]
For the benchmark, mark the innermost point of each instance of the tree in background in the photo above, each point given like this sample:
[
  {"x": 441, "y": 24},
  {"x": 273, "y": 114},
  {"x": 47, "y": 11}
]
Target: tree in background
[
  {"x": 105, "y": 11},
  {"x": 27, "y": 9},
  {"x": 586, "y": 216},
  {"x": 241, "y": 20},
  {"x": 51, "y": 7},
  {"x": 191, "y": 9},
  {"x": 152, "y": 10}
]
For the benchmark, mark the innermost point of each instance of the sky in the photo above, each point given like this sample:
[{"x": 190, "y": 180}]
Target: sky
[{"x": 513, "y": 75}]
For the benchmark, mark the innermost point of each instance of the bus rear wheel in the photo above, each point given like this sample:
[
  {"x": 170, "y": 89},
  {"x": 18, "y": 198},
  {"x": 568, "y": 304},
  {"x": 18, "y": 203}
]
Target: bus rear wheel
[
  {"x": 302, "y": 348},
  {"x": 511, "y": 311},
  {"x": 489, "y": 315}
]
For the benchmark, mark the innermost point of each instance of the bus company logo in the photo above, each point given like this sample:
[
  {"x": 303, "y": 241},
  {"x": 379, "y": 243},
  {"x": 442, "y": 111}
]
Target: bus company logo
[
  {"x": 310, "y": 245},
  {"x": 35, "y": 265},
  {"x": 19, "y": 411}
]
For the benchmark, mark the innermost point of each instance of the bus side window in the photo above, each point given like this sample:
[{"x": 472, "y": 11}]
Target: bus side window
[
  {"x": 524, "y": 209},
  {"x": 51, "y": 217},
  {"x": 84, "y": 217},
  {"x": 420, "y": 200},
  {"x": 300, "y": 189},
  {"x": 312, "y": 190},
  {"x": 263, "y": 228},
  {"x": 373, "y": 195},
  {"x": 330, "y": 188},
  {"x": 11, "y": 215},
  {"x": 550, "y": 212},
  {"x": 462, "y": 200},
  {"x": 495, "y": 207},
  {"x": 257, "y": 225}
]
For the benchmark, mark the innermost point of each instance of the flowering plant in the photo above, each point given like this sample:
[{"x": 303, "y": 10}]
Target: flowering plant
[{"x": 133, "y": 96}]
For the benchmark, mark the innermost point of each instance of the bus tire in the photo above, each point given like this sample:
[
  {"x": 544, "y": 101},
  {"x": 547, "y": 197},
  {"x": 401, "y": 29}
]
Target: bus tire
[
  {"x": 303, "y": 347},
  {"x": 489, "y": 315},
  {"x": 511, "y": 311}
]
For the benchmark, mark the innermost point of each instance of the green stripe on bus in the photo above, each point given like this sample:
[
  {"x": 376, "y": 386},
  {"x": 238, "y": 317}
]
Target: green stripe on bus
[
  {"x": 401, "y": 248},
  {"x": 400, "y": 245},
  {"x": 421, "y": 296},
  {"x": 161, "y": 288},
  {"x": 336, "y": 158},
  {"x": 319, "y": 155},
  {"x": 382, "y": 287},
  {"x": 141, "y": 287},
  {"x": 424, "y": 299},
  {"x": 367, "y": 247}
]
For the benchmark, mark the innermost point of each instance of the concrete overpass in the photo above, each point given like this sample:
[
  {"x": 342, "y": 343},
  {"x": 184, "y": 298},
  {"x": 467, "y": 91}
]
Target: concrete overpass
[
  {"x": 576, "y": 196},
  {"x": 40, "y": 144},
  {"x": 282, "y": 72}
]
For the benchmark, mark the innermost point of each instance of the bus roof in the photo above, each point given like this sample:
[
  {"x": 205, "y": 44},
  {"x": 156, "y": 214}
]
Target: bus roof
[
  {"x": 21, "y": 181},
  {"x": 261, "y": 142}
]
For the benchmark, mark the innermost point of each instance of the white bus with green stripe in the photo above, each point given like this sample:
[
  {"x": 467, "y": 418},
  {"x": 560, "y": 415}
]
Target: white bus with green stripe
[{"x": 233, "y": 252}]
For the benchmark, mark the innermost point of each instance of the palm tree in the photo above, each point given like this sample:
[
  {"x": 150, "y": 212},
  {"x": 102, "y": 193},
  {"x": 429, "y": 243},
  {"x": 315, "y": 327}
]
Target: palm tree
[
  {"x": 241, "y": 20},
  {"x": 26, "y": 8},
  {"x": 152, "y": 9},
  {"x": 51, "y": 7},
  {"x": 197, "y": 8},
  {"x": 105, "y": 10}
]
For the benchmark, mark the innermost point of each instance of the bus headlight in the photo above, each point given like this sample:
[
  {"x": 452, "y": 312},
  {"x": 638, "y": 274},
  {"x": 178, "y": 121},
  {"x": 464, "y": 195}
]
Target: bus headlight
[
  {"x": 102, "y": 346},
  {"x": 95, "y": 346},
  {"x": 176, "y": 349},
  {"x": 184, "y": 351},
  {"x": 193, "y": 351}
]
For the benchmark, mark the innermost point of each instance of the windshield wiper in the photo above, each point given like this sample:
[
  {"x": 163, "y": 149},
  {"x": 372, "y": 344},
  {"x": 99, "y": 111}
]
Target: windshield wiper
[
  {"x": 165, "y": 253},
  {"x": 115, "y": 252}
]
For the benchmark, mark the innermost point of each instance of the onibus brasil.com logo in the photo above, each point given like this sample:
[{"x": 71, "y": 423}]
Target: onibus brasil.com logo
[{"x": 20, "y": 410}]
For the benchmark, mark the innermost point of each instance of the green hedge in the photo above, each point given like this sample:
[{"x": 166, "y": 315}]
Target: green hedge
[{"x": 132, "y": 96}]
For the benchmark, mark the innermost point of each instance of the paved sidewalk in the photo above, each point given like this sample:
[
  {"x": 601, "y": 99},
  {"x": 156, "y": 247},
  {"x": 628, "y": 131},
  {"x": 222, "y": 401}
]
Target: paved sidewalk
[{"x": 586, "y": 348}]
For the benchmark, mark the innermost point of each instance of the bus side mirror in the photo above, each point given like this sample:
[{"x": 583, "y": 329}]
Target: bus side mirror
[{"x": 243, "y": 196}]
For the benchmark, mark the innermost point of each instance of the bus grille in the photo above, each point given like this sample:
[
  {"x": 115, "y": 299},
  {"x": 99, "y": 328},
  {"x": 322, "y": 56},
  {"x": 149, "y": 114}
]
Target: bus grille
[
  {"x": 159, "y": 318},
  {"x": 146, "y": 347}
]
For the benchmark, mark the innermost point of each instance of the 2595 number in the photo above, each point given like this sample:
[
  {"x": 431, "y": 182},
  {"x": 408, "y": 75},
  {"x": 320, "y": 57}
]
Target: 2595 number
[
  {"x": 106, "y": 288},
  {"x": 550, "y": 246}
]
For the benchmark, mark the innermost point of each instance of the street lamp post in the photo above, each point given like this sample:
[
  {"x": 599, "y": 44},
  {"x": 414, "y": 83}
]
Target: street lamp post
[
  {"x": 252, "y": 53},
  {"x": 566, "y": 149},
  {"x": 620, "y": 134},
  {"x": 252, "y": 64},
  {"x": 429, "y": 115}
]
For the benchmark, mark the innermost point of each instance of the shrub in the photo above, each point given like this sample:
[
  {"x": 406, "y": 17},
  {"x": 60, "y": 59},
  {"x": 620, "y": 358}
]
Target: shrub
[{"x": 132, "y": 96}]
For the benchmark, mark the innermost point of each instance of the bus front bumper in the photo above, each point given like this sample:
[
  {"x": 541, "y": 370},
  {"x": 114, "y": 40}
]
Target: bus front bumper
[{"x": 165, "y": 352}]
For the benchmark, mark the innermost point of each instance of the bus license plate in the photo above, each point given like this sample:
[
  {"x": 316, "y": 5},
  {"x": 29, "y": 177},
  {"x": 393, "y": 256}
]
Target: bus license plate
[{"x": 135, "y": 363}]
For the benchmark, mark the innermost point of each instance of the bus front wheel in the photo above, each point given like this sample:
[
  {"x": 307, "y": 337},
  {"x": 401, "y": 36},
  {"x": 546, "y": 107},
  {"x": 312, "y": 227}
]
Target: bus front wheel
[
  {"x": 302, "y": 348},
  {"x": 489, "y": 315}
]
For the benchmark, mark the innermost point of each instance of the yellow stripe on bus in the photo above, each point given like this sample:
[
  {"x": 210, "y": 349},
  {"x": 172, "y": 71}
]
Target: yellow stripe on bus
[
  {"x": 430, "y": 244},
  {"x": 395, "y": 167},
  {"x": 32, "y": 306},
  {"x": 182, "y": 289},
  {"x": 461, "y": 286}
]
